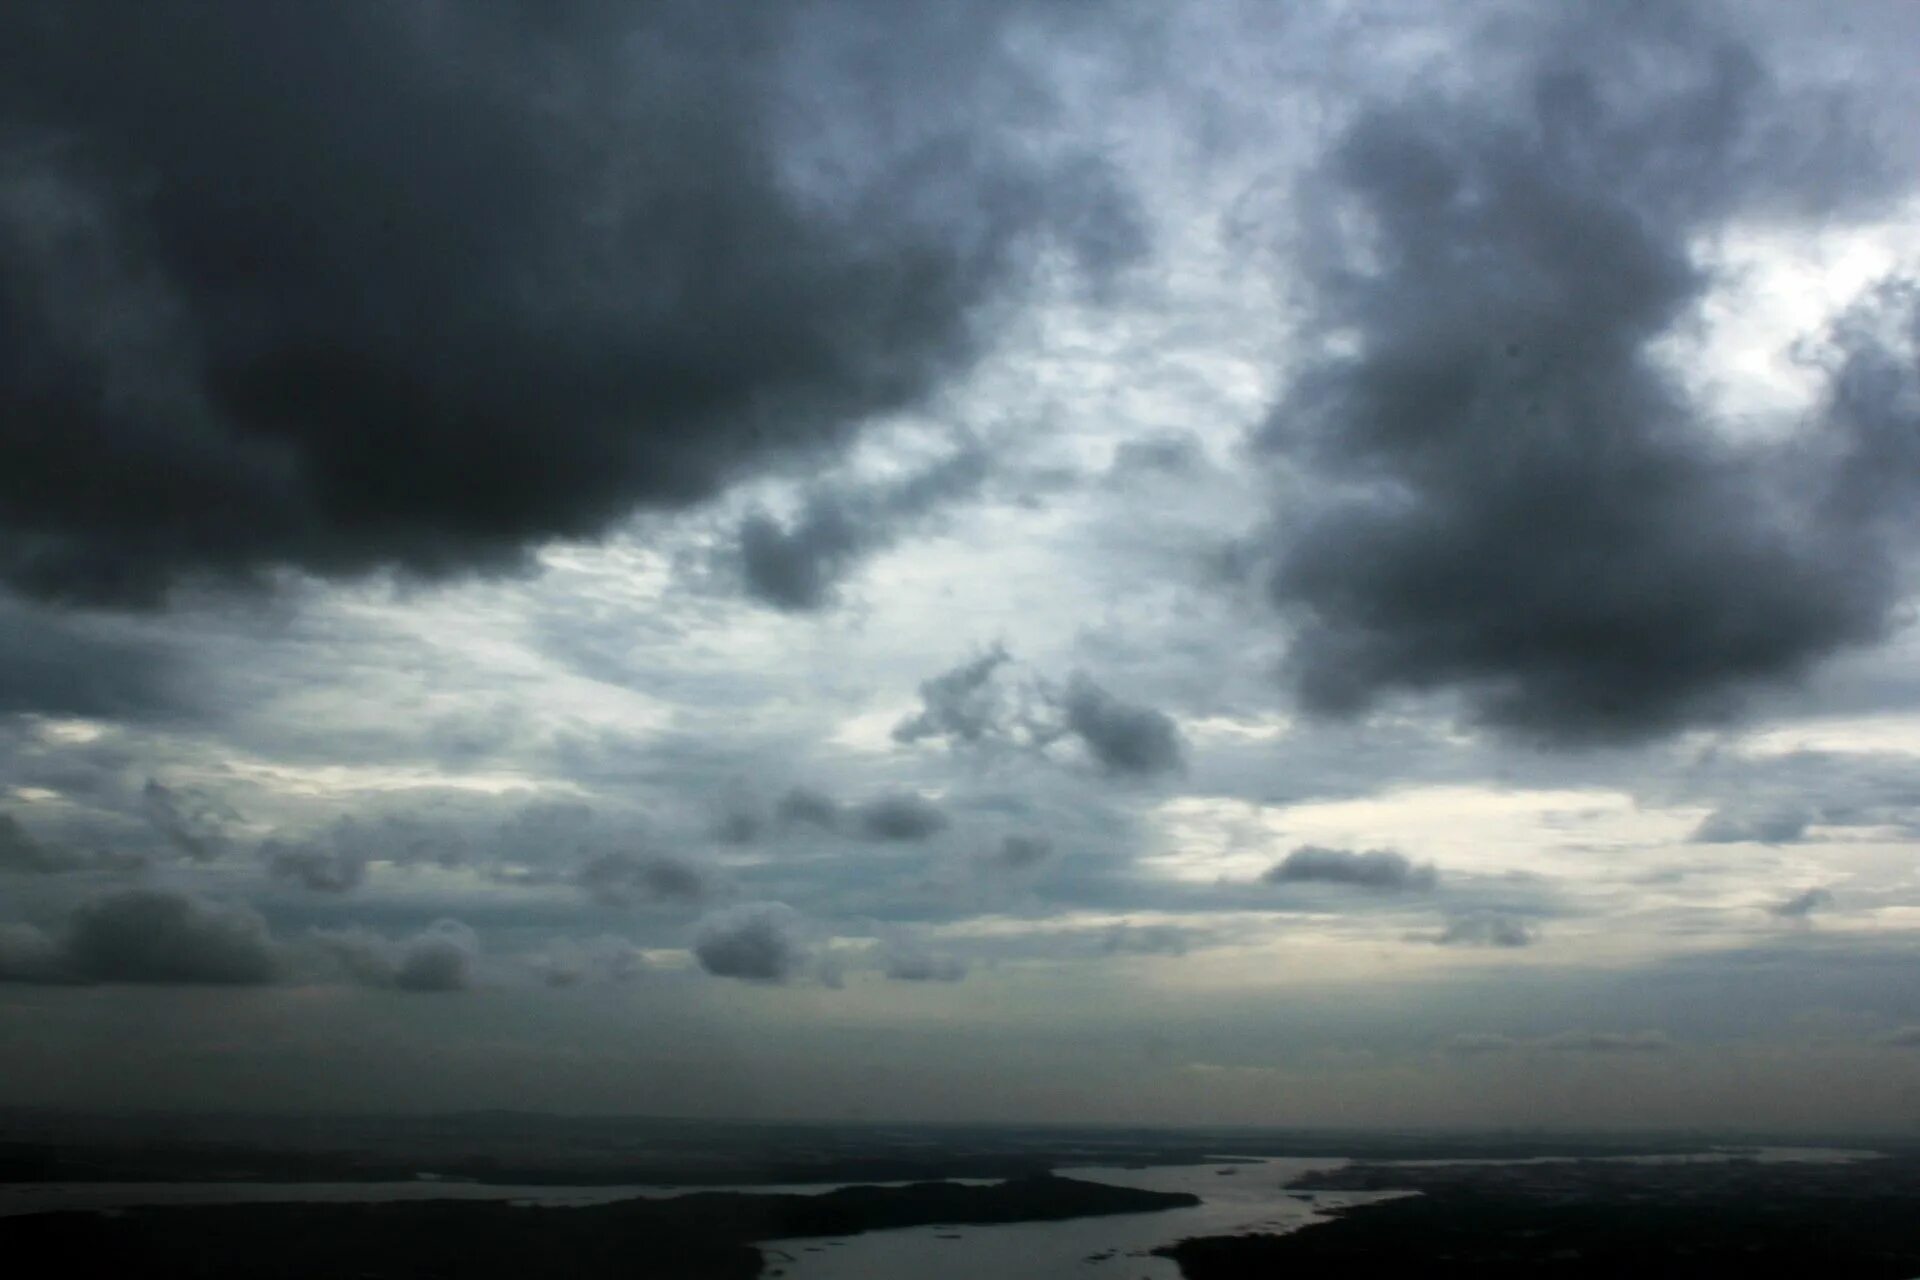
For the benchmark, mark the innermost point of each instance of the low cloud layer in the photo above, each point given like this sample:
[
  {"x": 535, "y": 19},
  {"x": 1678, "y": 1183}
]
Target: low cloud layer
[
  {"x": 147, "y": 936},
  {"x": 1381, "y": 870}
]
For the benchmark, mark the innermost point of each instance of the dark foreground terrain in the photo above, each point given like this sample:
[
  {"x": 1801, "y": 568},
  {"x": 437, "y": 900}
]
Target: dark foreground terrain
[
  {"x": 707, "y": 1235},
  {"x": 1584, "y": 1219}
]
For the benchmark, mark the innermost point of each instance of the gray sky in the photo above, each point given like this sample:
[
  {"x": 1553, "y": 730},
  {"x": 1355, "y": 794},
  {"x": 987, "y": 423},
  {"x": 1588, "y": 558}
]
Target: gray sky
[{"x": 1329, "y": 563}]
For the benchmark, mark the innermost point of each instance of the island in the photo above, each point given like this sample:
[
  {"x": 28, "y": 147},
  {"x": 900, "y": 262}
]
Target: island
[{"x": 700, "y": 1236}]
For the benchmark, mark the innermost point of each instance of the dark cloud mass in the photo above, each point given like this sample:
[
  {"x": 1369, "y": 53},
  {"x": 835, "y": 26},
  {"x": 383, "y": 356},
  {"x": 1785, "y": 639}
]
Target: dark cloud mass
[
  {"x": 755, "y": 941},
  {"x": 1378, "y": 869},
  {"x": 620, "y": 879},
  {"x": 1523, "y": 504},
  {"x": 922, "y": 966},
  {"x": 1776, "y": 825},
  {"x": 150, "y": 935},
  {"x": 441, "y": 957},
  {"x": 900, "y": 815},
  {"x": 1122, "y": 737},
  {"x": 414, "y": 285}
]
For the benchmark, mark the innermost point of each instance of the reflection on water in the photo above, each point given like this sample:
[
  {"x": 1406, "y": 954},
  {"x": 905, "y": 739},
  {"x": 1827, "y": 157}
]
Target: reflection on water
[{"x": 1237, "y": 1198}]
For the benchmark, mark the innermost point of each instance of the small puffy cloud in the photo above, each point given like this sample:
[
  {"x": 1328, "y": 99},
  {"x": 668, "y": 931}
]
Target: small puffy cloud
[
  {"x": 150, "y": 935},
  {"x": 1487, "y": 929},
  {"x": 900, "y": 815},
  {"x": 909, "y": 965},
  {"x": 754, "y": 941},
  {"x": 1765, "y": 826},
  {"x": 1382, "y": 870},
  {"x": 1801, "y": 906},
  {"x": 621, "y": 879},
  {"x": 1608, "y": 1042},
  {"x": 962, "y": 705},
  {"x": 971, "y": 707},
  {"x": 441, "y": 957},
  {"x": 1122, "y": 737},
  {"x": 797, "y": 565}
]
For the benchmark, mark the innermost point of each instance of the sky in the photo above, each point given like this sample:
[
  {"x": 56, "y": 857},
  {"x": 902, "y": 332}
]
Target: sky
[{"x": 1323, "y": 564}]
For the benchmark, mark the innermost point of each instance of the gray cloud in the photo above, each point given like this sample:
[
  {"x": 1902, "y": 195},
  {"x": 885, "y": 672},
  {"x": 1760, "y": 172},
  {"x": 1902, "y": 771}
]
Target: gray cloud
[
  {"x": 194, "y": 822},
  {"x": 1122, "y": 737},
  {"x": 441, "y": 957},
  {"x": 797, "y": 564},
  {"x": 1127, "y": 939},
  {"x": 900, "y": 815},
  {"x": 806, "y": 807},
  {"x": 1479, "y": 1042},
  {"x": 923, "y": 966},
  {"x": 621, "y": 879},
  {"x": 1487, "y": 929},
  {"x": 969, "y": 706},
  {"x": 1607, "y": 1042},
  {"x": 20, "y": 851},
  {"x": 1801, "y": 906},
  {"x": 755, "y": 941},
  {"x": 320, "y": 869},
  {"x": 151, "y": 935},
  {"x": 28, "y": 954},
  {"x": 418, "y": 286},
  {"x": 1019, "y": 853},
  {"x": 1523, "y": 504},
  {"x": 1378, "y": 869},
  {"x": 1904, "y": 1038},
  {"x": 569, "y": 963},
  {"x": 1779, "y": 825}
]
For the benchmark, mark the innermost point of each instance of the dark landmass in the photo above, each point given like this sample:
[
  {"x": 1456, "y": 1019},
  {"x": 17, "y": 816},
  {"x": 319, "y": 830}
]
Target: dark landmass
[
  {"x": 511, "y": 1148},
  {"x": 1583, "y": 1220},
  {"x": 703, "y": 1236}
]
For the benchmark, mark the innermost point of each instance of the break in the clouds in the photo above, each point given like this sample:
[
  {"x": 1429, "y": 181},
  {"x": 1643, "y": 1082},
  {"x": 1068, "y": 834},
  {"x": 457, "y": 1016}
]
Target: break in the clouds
[
  {"x": 419, "y": 286},
  {"x": 1523, "y": 500},
  {"x": 1384, "y": 870}
]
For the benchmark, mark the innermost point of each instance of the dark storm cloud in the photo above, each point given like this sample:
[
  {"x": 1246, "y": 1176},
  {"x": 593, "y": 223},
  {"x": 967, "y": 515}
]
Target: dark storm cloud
[
  {"x": 149, "y": 936},
  {"x": 1486, "y": 929},
  {"x": 1377, "y": 869},
  {"x": 755, "y": 941},
  {"x": 969, "y": 706},
  {"x": 410, "y": 285},
  {"x": 900, "y": 815},
  {"x": 797, "y": 564},
  {"x": 1523, "y": 504},
  {"x": 1801, "y": 906}
]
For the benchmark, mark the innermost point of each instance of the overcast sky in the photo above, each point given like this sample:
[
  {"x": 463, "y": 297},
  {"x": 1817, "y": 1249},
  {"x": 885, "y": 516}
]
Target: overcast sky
[{"x": 1334, "y": 563}]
